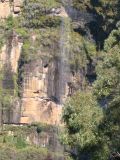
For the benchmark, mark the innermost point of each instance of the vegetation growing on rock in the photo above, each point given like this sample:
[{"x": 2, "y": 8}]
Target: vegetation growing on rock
[{"x": 91, "y": 132}]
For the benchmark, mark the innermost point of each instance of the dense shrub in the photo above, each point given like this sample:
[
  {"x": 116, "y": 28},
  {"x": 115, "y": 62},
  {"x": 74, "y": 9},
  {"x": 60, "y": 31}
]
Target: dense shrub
[{"x": 36, "y": 14}]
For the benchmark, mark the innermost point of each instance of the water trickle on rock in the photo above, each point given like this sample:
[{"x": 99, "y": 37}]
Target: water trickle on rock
[{"x": 64, "y": 68}]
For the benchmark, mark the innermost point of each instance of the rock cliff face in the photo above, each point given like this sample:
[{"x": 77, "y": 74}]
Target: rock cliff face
[
  {"x": 9, "y": 57},
  {"x": 45, "y": 136},
  {"x": 38, "y": 101},
  {"x": 38, "y": 104},
  {"x": 40, "y": 91}
]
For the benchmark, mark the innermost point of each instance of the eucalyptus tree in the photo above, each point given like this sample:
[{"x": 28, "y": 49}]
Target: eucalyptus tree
[
  {"x": 82, "y": 116},
  {"x": 107, "y": 87}
]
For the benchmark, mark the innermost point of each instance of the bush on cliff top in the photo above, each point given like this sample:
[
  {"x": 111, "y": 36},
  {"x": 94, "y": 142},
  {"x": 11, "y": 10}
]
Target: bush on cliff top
[{"x": 36, "y": 14}]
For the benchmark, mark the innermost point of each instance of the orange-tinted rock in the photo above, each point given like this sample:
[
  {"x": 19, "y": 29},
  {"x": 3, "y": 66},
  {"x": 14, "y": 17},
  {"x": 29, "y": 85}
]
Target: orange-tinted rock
[
  {"x": 39, "y": 110},
  {"x": 36, "y": 106},
  {"x": 5, "y": 9}
]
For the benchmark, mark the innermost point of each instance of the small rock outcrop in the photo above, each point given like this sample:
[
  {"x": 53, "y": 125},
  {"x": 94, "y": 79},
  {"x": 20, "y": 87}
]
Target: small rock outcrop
[
  {"x": 17, "y": 6},
  {"x": 5, "y": 9},
  {"x": 8, "y": 7}
]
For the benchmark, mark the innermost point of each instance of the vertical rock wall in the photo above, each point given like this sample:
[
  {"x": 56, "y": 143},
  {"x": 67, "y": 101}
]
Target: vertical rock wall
[
  {"x": 38, "y": 104},
  {"x": 40, "y": 95},
  {"x": 10, "y": 53},
  {"x": 9, "y": 58}
]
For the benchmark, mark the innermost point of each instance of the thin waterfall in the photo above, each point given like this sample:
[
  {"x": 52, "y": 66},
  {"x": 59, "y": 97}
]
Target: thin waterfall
[
  {"x": 64, "y": 72},
  {"x": 64, "y": 68}
]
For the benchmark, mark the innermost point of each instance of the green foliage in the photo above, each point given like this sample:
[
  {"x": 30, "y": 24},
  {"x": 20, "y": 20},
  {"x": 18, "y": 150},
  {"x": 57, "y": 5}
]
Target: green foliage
[
  {"x": 6, "y": 29},
  {"x": 41, "y": 5},
  {"x": 2, "y": 30},
  {"x": 15, "y": 82},
  {"x": 108, "y": 5},
  {"x": 108, "y": 10},
  {"x": 77, "y": 51},
  {"x": 6, "y": 97},
  {"x": 90, "y": 49},
  {"x": 48, "y": 41},
  {"x": 30, "y": 153},
  {"x": 27, "y": 51},
  {"x": 101, "y": 152},
  {"x": 6, "y": 101},
  {"x": 17, "y": 141},
  {"x": 113, "y": 39},
  {"x": 22, "y": 32},
  {"x": 107, "y": 87},
  {"x": 14, "y": 144},
  {"x": 108, "y": 74},
  {"x": 10, "y": 23},
  {"x": 80, "y": 4},
  {"x": 8, "y": 84},
  {"x": 82, "y": 116},
  {"x": 36, "y": 14},
  {"x": 43, "y": 22}
]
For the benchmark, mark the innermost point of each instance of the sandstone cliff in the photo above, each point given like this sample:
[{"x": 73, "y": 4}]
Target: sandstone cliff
[
  {"x": 38, "y": 86},
  {"x": 35, "y": 76}
]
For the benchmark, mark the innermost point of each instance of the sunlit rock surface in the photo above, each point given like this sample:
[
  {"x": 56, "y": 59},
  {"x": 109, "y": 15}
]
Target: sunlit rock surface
[
  {"x": 4, "y": 9},
  {"x": 7, "y": 7},
  {"x": 38, "y": 103}
]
